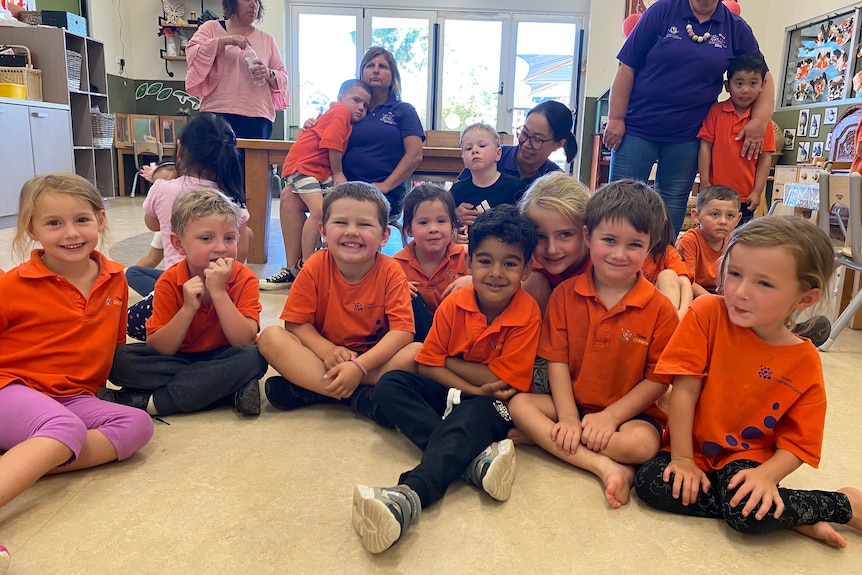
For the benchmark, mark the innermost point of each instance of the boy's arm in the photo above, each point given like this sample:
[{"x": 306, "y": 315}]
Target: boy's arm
[
  {"x": 761, "y": 112},
  {"x": 495, "y": 387},
  {"x": 311, "y": 338},
  {"x": 335, "y": 157},
  {"x": 168, "y": 339},
  {"x": 688, "y": 478},
  {"x": 704, "y": 161},
  {"x": 566, "y": 433},
  {"x": 391, "y": 343},
  {"x": 761, "y": 173},
  {"x": 239, "y": 330}
]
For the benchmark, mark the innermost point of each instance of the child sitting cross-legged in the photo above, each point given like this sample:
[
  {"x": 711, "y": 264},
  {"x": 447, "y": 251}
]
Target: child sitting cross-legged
[
  {"x": 348, "y": 318},
  {"x": 200, "y": 348},
  {"x": 602, "y": 335},
  {"x": 478, "y": 354}
]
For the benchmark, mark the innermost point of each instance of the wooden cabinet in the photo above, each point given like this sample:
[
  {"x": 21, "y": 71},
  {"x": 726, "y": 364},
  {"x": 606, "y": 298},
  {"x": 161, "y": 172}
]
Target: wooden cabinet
[
  {"x": 80, "y": 96},
  {"x": 601, "y": 164}
]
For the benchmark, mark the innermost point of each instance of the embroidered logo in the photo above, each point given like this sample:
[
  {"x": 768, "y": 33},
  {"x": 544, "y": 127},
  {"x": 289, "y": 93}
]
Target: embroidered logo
[
  {"x": 116, "y": 300},
  {"x": 357, "y": 306},
  {"x": 673, "y": 30},
  {"x": 718, "y": 40},
  {"x": 634, "y": 338},
  {"x": 388, "y": 118},
  {"x": 765, "y": 373}
]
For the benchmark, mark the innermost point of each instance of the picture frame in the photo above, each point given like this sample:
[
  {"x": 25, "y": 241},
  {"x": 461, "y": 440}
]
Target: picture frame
[
  {"x": 803, "y": 153},
  {"x": 789, "y": 139},
  {"x": 830, "y": 116},
  {"x": 816, "y": 149},
  {"x": 814, "y": 128},
  {"x": 802, "y": 123},
  {"x": 828, "y": 146},
  {"x": 170, "y": 128},
  {"x": 144, "y": 128},
  {"x": 122, "y": 133}
]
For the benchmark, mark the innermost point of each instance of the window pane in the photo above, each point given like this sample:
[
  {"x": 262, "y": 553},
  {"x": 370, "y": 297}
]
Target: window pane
[
  {"x": 471, "y": 80},
  {"x": 323, "y": 65},
  {"x": 407, "y": 39}
]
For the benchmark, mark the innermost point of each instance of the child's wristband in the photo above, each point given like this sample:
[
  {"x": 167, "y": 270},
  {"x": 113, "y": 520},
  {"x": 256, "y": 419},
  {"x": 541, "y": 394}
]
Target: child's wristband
[{"x": 359, "y": 365}]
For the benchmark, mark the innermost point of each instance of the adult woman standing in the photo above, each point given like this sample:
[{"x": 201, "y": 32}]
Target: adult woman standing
[
  {"x": 671, "y": 71},
  {"x": 384, "y": 149},
  {"x": 219, "y": 75}
]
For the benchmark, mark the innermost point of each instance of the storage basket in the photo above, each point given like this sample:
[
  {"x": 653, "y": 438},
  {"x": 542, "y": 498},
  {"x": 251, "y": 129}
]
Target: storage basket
[
  {"x": 103, "y": 130},
  {"x": 27, "y": 75},
  {"x": 73, "y": 69},
  {"x": 31, "y": 17}
]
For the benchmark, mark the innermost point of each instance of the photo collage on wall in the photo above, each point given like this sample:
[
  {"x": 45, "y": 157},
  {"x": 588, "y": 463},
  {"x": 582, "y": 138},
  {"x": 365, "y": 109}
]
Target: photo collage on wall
[{"x": 808, "y": 125}]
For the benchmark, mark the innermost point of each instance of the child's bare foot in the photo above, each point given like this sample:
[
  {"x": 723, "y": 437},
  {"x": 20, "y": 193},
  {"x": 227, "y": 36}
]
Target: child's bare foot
[
  {"x": 518, "y": 437},
  {"x": 822, "y": 531},
  {"x": 855, "y": 497},
  {"x": 618, "y": 481}
]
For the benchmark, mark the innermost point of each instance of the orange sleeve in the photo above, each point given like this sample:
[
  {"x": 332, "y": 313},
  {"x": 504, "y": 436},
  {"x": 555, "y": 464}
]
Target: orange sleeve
[
  {"x": 245, "y": 293},
  {"x": 707, "y": 130},
  {"x": 673, "y": 261},
  {"x": 769, "y": 139},
  {"x": 302, "y": 301},
  {"x": 399, "y": 309},
  {"x": 687, "y": 350},
  {"x": 554, "y": 341},
  {"x": 167, "y": 300},
  {"x": 435, "y": 349},
  {"x": 123, "y": 327},
  {"x": 336, "y": 133},
  {"x": 800, "y": 429},
  {"x": 687, "y": 247},
  {"x": 665, "y": 327},
  {"x": 515, "y": 363}
]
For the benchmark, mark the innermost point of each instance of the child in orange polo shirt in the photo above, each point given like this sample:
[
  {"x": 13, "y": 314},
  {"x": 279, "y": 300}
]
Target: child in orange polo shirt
[
  {"x": 602, "y": 335},
  {"x": 432, "y": 261},
  {"x": 62, "y": 314},
  {"x": 748, "y": 402},
  {"x": 478, "y": 354},
  {"x": 348, "y": 318},
  {"x": 200, "y": 347},
  {"x": 666, "y": 270},
  {"x": 720, "y": 159},
  {"x": 716, "y": 213}
]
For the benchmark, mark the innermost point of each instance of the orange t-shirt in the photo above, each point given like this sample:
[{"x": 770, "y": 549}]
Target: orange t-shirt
[
  {"x": 507, "y": 346},
  {"x": 856, "y": 166},
  {"x": 701, "y": 261},
  {"x": 354, "y": 315},
  {"x": 755, "y": 398},
  {"x": 728, "y": 167},
  {"x": 430, "y": 288},
  {"x": 608, "y": 351},
  {"x": 671, "y": 260},
  {"x": 309, "y": 155},
  {"x": 205, "y": 332},
  {"x": 53, "y": 338}
]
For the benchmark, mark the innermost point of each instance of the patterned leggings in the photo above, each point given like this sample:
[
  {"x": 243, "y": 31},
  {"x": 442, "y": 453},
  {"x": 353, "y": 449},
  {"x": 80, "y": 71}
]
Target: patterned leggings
[{"x": 800, "y": 507}]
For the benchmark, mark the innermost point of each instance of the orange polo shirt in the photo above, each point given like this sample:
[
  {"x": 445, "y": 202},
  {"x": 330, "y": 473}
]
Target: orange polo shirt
[
  {"x": 205, "y": 332},
  {"x": 856, "y": 166},
  {"x": 309, "y": 155},
  {"x": 728, "y": 167},
  {"x": 431, "y": 287},
  {"x": 557, "y": 279},
  {"x": 701, "y": 261},
  {"x": 357, "y": 315},
  {"x": 507, "y": 346},
  {"x": 53, "y": 338},
  {"x": 608, "y": 351},
  {"x": 671, "y": 260},
  {"x": 756, "y": 397}
]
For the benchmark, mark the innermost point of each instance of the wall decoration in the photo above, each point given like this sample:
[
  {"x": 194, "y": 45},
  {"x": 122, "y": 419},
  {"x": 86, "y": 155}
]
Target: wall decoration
[
  {"x": 830, "y": 116},
  {"x": 789, "y": 138},
  {"x": 814, "y": 128},
  {"x": 828, "y": 146},
  {"x": 801, "y": 125},
  {"x": 803, "y": 153},
  {"x": 161, "y": 93},
  {"x": 637, "y": 6},
  {"x": 816, "y": 149}
]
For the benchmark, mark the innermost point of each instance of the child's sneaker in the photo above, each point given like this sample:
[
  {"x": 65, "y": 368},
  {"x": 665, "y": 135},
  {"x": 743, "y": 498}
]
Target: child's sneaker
[
  {"x": 817, "y": 329},
  {"x": 5, "y": 559},
  {"x": 284, "y": 395},
  {"x": 493, "y": 470},
  {"x": 282, "y": 280},
  {"x": 246, "y": 400},
  {"x": 137, "y": 398},
  {"x": 382, "y": 514}
]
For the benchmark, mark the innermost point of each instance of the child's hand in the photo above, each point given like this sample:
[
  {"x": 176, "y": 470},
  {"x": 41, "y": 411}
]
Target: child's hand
[
  {"x": 688, "y": 479},
  {"x": 597, "y": 429},
  {"x": 338, "y": 178},
  {"x": 336, "y": 355},
  {"x": 414, "y": 289},
  {"x": 498, "y": 390},
  {"x": 345, "y": 379},
  {"x": 461, "y": 236},
  {"x": 761, "y": 491},
  {"x": 566, "y": 433},
  {"x": 217, "y": 274},
  {"x": 147, "y": 171},
  {"x": 459, "y": 283},
  {"x": 466, "y": 213},
  {"x": 753, "y": 200},
  {"x": 193, "y": 292}
]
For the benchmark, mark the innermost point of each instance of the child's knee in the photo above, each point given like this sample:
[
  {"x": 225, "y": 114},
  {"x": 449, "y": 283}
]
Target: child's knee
[
  {"x": 65, "y": 428},
  {"x": 129, "y": 431},
  {"x": 272, "y": 340}
]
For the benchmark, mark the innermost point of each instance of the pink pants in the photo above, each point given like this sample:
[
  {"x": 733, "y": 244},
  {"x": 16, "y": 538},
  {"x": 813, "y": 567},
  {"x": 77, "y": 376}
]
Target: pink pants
[{"x": 26, "y": 413}]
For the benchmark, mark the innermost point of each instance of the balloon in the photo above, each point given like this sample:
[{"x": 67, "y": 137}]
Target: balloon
[
  {"x": 732, "y": 5},
  {"x": 629, "y": 24}
]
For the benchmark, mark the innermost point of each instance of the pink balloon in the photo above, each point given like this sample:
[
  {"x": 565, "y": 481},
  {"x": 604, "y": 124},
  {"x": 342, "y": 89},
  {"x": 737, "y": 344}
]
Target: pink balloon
[
  {"x": 629, "y": 24},
  {"x": 732, "y": 5}
]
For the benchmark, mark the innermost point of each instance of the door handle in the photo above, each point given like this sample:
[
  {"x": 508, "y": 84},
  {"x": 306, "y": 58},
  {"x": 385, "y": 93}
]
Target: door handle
[{"x": 39, "y": 114}]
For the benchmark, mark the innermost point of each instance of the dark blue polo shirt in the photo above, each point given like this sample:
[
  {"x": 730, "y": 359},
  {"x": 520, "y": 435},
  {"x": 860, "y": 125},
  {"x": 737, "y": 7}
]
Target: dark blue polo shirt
[{"x": 508, "y": 164}]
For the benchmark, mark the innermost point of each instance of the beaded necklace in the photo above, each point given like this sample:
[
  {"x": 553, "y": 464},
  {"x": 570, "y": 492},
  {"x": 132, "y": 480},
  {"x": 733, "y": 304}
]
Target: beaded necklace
[{"x": 694, "y": 37}]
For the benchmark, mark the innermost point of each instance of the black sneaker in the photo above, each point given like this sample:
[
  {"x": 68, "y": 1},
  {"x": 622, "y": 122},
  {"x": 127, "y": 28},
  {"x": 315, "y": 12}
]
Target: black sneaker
[
  {"x": 137, "y": 398},
  {"x": 817, "y": 329},
  {"x": 282, "y": 280},
  {"x": 246, "y": 400},
  {"x": 382, "y": 514},
  {"x": 282, "y": 394},
  {"x": 362, "y": 402}
]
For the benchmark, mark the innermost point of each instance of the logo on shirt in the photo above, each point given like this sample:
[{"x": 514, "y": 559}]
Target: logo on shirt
[
  {"x": 116, "y": 300},
  {"x": 673, "y": 32},
  {"x": 357, "y": 306},
  {"x": 388, "y": 118},
  {"x": 635, "y": 338},
  {"x": 719, "y": 41}
]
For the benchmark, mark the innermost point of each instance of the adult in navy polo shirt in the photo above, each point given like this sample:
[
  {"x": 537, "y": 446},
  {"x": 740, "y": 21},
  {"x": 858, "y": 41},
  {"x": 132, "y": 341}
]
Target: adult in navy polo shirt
[{"x": 671, "y": 71}]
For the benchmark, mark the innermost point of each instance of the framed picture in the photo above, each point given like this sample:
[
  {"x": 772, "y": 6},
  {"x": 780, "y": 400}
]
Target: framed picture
[
  {"x": 789, "y": 138},
  {"x": 816, "y": 149},
  {"x": 814, "y": 128},
  {"x": 122, "y": 135},
  {"x": 802, "y": 124},
  {"x": 803, "y": 153},
  {"x": 828, "y": 146},
  {"x": 637, "y": 6},
  {"x": 144, "y": 128},
  {"x": 170, "y": 128},
  {"x": 830, "y": 116}
]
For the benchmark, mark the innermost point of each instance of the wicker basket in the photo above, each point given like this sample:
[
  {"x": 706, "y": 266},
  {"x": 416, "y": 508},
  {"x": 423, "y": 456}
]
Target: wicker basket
[
  {"x": 27, "y": 75},
  {"x": 103, "y": 130},
  {"x": 31, "y": 17},
  {"x": 73, "y": 69}
]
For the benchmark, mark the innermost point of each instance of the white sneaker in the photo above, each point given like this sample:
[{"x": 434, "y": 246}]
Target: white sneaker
[{"x": 493, "y": 470}]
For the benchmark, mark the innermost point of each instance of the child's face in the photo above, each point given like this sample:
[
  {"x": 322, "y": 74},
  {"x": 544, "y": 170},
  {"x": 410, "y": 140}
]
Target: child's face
[
  {"x": 206, "y": 240},
  {"x": 761, "y": 288},
  {"x": 744, "y": 87},
  {"x": 353, "y": 232},
  {"x": 498, "y": 269},
  {"x": 431, "y": 227},
  {"x": 561, "y": 243},
  {"x": 357, "y": 100},
  {"x": 67, "y": 227},
  {"x": 617, "y": 252},
  {"x": 479, "y": 151},
  {"x": 717, "y": 219}
]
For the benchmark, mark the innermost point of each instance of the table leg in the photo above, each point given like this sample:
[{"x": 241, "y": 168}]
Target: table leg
[
  {"x": 258, "y": 202},
  {"x": 121, "y": 172}
]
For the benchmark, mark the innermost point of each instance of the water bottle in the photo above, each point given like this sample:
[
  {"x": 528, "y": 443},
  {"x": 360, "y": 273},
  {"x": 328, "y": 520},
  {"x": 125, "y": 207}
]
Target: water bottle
[{"x": 251, "y": 59}]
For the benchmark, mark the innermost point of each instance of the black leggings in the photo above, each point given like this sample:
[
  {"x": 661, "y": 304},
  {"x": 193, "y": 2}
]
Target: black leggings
[{"x": 800, "y": 507}]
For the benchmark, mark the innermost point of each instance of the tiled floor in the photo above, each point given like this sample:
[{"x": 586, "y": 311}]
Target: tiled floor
[{"x": 216, "y": 493}]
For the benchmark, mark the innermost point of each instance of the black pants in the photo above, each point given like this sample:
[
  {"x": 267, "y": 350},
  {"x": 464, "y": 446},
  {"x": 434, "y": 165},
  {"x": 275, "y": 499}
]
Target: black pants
[
  {"x": 422, "y": 318},
  {"x": 800, "y": 507},
  {"x": 415, "y": 404}
]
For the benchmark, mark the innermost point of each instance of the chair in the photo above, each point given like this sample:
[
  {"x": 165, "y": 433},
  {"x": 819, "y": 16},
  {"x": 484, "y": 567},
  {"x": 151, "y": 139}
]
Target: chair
[
  {"x": 849, "y": 257},
  {"x": 151, "y": 149}
]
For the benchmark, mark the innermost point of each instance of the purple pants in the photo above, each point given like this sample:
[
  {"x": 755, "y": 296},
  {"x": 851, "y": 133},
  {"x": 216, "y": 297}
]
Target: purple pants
[{"x": 26, "y": 413}]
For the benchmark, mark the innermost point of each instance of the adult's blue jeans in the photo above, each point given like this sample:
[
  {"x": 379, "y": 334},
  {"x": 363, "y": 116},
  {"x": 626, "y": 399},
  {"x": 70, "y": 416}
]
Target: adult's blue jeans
[{"x": 677, "y": 167}]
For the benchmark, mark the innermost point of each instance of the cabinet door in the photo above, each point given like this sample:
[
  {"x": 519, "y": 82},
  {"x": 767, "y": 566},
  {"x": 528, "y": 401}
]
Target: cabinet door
[
  {"x": 51, "y": 133},
  {"x": 16, "y": 157}
]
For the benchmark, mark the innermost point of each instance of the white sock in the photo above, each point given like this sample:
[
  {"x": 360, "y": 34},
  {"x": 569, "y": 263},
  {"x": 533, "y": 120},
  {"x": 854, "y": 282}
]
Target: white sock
[{"x": 151, "y": 407}]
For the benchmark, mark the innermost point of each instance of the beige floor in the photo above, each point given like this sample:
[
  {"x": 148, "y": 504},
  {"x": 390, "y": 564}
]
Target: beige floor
[{"x": 215, "y": 493}]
